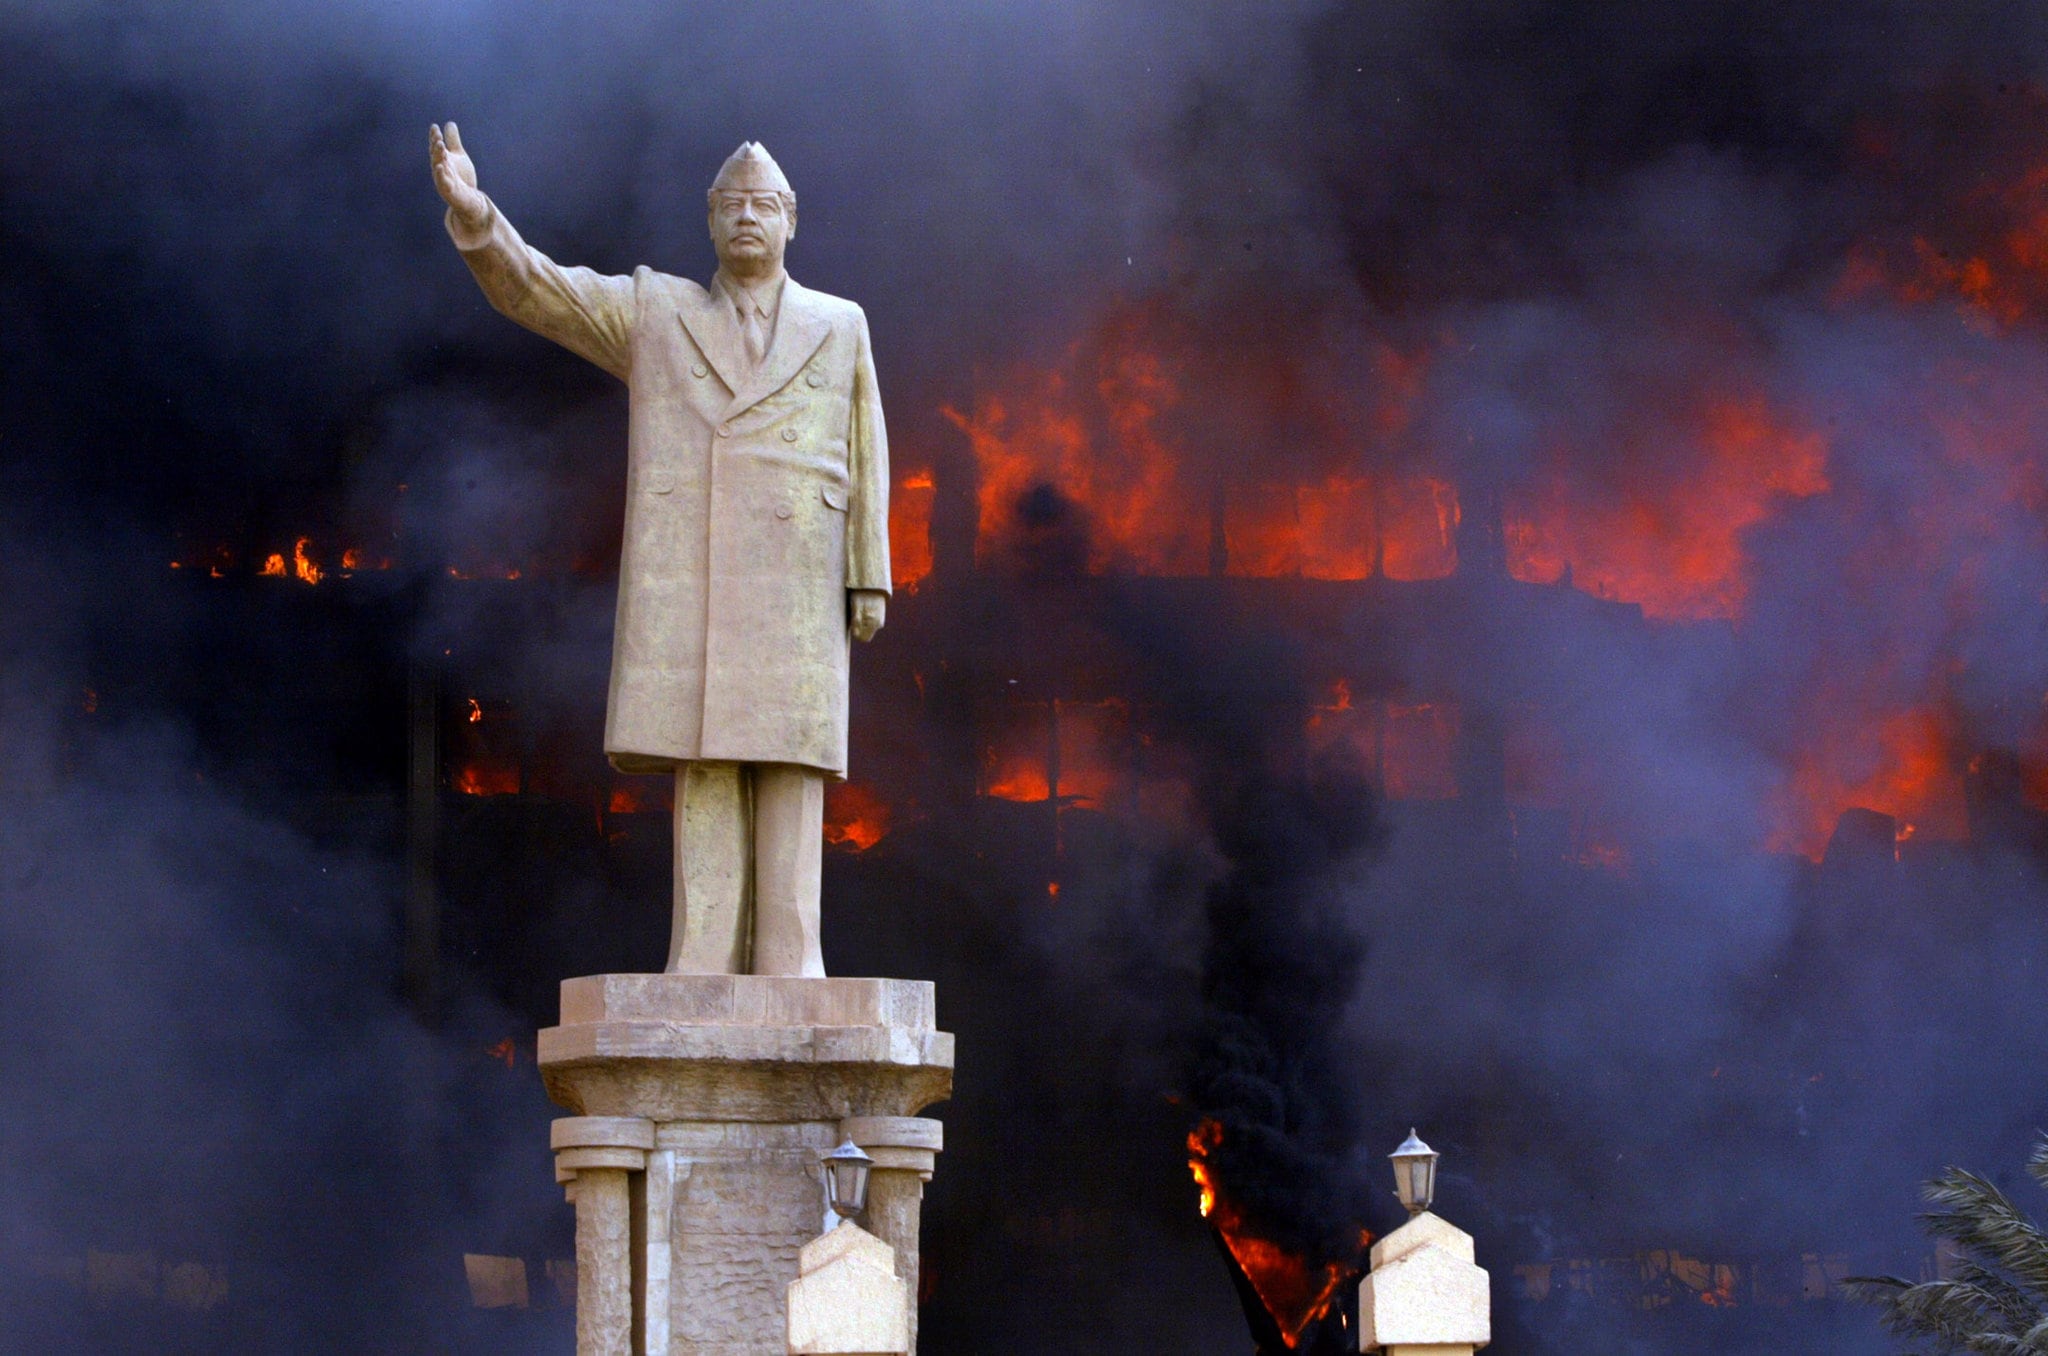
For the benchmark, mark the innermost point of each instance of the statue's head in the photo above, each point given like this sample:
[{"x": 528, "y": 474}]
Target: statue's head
[{"x": 753, "y": 211}]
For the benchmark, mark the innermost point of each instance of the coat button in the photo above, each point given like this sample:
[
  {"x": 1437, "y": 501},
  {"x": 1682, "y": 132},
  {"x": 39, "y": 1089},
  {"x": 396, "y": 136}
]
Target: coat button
[
  {"x": 813, "y": 380},
  {"x": 699, "y": 370},
  {"x": 789, "y": 435},
  {"x": 782, "y": 510},
  {"x": 725, "y": 430}
]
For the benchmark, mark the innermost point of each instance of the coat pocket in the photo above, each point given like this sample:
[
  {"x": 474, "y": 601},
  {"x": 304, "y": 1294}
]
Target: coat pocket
[
  {"x": 834, "y": 496},
  {"x": 660, "y": 481}
]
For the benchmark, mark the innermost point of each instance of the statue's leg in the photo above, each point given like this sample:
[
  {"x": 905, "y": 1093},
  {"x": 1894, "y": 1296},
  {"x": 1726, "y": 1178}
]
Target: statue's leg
[
  {"x": 789, "y": 855},
  {"x": 713, "y": 870}
]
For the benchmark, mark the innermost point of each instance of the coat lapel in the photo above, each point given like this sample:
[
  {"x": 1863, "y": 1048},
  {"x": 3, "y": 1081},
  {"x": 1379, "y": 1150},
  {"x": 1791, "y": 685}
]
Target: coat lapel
[
  {"x": 800, "y": 326},
  {"x": 709, "y": 320}
]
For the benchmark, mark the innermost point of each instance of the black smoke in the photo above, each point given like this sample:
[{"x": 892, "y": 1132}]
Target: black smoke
[{"x": 231, "y": 317}]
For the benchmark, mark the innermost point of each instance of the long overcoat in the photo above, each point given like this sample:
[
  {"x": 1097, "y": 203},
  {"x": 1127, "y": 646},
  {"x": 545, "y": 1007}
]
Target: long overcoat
[{"x": 753, "y": 503}]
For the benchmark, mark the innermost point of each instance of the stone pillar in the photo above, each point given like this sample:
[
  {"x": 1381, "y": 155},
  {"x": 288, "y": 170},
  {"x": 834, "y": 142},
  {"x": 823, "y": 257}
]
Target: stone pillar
[
  {"x": 905, "y": 1150},
  {"x": 593, "y": 1157},
  {"x": 741, "y": 1083},
  {"x": 1424, "y": 1295}
]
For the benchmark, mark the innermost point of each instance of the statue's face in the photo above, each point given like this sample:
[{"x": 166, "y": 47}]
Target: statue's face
[{"x": 750, "y": 229}]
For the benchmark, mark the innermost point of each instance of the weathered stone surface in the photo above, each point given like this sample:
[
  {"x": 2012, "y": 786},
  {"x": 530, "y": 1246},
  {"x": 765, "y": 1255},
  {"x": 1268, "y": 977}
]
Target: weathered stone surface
[
  {"x": 847, "y": 1299},
  {"x": 604, "y": 1272},
  {"x": 1425, "y": 1230},
  {"x": 1424, "y": 1294},
  {"x": 735, "y": 1085},
  {"x": 756, "y": 542},
  {"x": 745, "y": 1047}
]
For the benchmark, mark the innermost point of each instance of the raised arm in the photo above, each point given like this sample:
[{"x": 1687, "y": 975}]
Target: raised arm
[{"x": 588, "y": 313}]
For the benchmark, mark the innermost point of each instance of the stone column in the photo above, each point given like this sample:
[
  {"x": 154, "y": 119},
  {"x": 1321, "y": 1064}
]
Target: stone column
[
  {"x": 593, "y": 1157},
  {"x": 905, "y": 1150},
  {"x": 739, "y": 1084},
  {"x": 1424, "y": 1295}
]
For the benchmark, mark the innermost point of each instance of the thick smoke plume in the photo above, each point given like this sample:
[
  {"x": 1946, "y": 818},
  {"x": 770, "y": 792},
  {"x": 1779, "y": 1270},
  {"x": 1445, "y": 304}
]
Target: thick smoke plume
[{"x": 1732, "y": 315}]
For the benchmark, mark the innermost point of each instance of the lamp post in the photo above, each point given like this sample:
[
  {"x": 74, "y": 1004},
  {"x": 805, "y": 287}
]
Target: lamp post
[
  {"x": 1425, "y": 1294},
  {"x": 846, "y": 1180},
  {"x": 1414, "y": 1174}
]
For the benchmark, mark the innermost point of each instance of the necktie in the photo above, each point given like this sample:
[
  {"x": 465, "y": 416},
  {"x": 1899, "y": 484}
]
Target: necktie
[{"x": 750, "y": 332}]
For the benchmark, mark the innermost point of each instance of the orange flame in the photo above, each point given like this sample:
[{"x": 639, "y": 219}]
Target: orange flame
[
  {"x": 1904, "y": 765},
  {"x": 1295, "y": 1293},
  {"x": 478, "y": 779},
  {"x": 303, "y": 565},
  {"x": 1674, "y": 546},
  {"x": 855, "y": 816},
  {"x": 273, "y": 564},
  {"x": 910, "y": 530}
]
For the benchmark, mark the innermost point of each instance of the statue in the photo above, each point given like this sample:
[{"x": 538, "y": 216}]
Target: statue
[{"x": 756, "y": 541}]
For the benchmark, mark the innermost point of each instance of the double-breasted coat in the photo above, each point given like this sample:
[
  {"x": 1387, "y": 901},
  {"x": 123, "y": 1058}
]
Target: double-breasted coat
[{"x": 753, "y": 503}]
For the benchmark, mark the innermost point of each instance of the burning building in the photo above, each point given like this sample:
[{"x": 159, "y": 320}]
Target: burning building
[{"x": 1474, "y": 568}]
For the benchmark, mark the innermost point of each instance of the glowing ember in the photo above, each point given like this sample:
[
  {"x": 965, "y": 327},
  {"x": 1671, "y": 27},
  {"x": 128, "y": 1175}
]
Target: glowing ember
[
  {"x": 855, "y": 816},
  {"x": 1294, "y": 1292},
  {"x": 476, "y": 711},
  {"x": 478, "y": 779}
]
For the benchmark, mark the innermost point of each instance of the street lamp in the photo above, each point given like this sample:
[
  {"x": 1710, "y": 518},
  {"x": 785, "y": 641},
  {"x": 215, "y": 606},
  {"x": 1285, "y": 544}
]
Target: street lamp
[
  {"x": 1414, "y": 1174},
  {"x": 846, "y": 1179}
]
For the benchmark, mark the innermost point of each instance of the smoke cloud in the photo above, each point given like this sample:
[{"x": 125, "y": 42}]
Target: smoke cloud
[{"x": 1734, "y": 315}]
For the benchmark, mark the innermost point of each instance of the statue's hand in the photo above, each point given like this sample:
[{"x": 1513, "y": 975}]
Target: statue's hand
[
  {"x": 869, "y": 607},
  {"x": 455, "y": 177}
]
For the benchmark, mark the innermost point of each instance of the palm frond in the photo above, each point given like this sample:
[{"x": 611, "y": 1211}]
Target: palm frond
[
  {"x": 2037, "y": 1161},
  {"x": 1951, "y": 1313},
  {"x": 1977, "y": 1215}
]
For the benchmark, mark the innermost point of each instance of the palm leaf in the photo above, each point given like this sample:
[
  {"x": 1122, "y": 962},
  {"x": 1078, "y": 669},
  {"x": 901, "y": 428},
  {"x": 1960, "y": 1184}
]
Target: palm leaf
[{"x": 1977, "y": 1215}]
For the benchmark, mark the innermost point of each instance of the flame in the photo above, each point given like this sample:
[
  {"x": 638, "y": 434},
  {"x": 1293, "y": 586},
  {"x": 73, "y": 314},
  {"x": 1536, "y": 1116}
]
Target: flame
[
  {"x": 303, "y": 565},
  {"x": 1294, "y": 1292},
  {"x": 273, "y": 564},
  {"x": 910, "y": 530},
  {"x": 1904, "y": 765},
  {"x": 505, "y": 1051},
  {"x": 1674, "y": 545},
  {"x": 1988, "y": 257},
  {"x": 1088, "y": 433},
  {"x": 476, "y": 711},
  {"x": 1091, "y": 736},
  {"x": 855, "y": 816},
  {"x": 480, "y": 779}
]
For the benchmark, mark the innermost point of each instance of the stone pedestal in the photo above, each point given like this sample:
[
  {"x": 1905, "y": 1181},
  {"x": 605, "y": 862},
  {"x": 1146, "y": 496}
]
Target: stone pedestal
[
  {"x": 1425, "y": 1295},
  {"x": 702, "y": 1105}
]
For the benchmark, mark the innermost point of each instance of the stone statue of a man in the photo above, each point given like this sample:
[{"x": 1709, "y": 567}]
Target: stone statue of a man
[{"x": 757, "y": 539}]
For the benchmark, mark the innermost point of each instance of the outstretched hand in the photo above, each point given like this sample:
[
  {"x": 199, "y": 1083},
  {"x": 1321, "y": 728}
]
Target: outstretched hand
[
  {"x": 868, "y": 606},
  {"x": 455, "y": 176}
]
